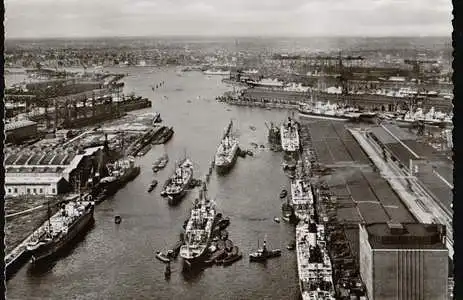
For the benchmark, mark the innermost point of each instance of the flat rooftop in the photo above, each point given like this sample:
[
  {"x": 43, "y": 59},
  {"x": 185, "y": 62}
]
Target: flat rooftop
[
  {"x": 433, "y": 168},
  {"x": 406, "y": 236},
  {"x": 363, "y": 195}
]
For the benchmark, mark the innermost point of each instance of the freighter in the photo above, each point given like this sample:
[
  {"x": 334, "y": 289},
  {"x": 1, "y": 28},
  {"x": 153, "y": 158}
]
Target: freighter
[
  {"x": 176, "y": 186},
  {"x": 198, "y": 230},
  {"x": 227, "y": 152},
  {"x": 217, "y": 72},
  {"x": 290, "y": 136},
  {"x": 301, "y": 199},
  {"x": 61, "y": 228},
  {"x": 274, "y": 137},
  {"x": 120, "y": 172},
  {"x": 313, "y": 263},
  {"x": 327, "y": 111}
]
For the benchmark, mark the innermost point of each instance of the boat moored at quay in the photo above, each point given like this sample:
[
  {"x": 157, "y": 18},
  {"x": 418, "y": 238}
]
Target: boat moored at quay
[
  {"x": 301, "y": 199},
  {"x": 314, "y": 265},
  {"x": 289, "y": 133},
  {"x": 60, "y": 230}
]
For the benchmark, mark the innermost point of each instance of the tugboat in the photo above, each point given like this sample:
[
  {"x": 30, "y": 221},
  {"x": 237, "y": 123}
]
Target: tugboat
[
  {"x": 61, "y": 229},
  {"x": 177, "y": 185},
  {"x": 153, "y": 184},
  {"x": 262, "y": 254},
  {"x": 283, "y": 194},
  {"x": 165, "y": 258}
]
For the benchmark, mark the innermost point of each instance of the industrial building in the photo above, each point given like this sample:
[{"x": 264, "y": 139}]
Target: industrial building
[
  {"x": 49, "y": 172},
  {"x": 404, "y": 261},
  {"x": 21, "y": 130}
]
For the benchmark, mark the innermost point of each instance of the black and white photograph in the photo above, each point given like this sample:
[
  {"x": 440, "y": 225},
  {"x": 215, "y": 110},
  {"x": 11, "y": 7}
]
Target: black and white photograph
[{"x": 218, "y": 149}]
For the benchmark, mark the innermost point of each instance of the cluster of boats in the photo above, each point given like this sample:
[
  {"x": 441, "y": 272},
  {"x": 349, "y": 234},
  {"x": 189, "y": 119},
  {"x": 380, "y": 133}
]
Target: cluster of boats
[
  {"x": 328, "y": 111},
  {"x": 314, "y": 265}
]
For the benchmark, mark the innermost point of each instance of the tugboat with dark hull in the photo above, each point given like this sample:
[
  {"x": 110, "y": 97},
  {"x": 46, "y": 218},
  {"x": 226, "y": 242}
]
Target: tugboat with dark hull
[
  {"x": 262, "y": 254},
  {"x": 61, "y": 229}
]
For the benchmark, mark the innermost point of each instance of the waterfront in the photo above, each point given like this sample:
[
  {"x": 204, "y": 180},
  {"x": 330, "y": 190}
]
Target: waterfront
[{"x": 117, "y": 261}]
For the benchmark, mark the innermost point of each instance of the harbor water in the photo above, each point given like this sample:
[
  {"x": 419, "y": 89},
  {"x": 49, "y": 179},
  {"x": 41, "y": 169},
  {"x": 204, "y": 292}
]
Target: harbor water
[{"x": 118, "y": 261}]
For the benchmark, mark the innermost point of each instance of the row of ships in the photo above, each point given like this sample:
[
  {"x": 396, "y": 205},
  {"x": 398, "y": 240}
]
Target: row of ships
[
  {"x": 314, "y": 266},
  {"x": 75, "y": 214}
]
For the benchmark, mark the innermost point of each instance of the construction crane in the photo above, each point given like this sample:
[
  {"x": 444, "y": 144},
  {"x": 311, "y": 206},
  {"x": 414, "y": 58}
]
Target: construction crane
[{"x": 416, "y": 63}]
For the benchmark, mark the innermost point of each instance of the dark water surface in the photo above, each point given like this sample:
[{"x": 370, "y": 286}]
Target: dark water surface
[{"x": 117, "y": 261}]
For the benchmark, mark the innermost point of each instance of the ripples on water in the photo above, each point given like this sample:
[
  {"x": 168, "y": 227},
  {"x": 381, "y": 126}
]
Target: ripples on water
[{"x": 117, "y": 261}]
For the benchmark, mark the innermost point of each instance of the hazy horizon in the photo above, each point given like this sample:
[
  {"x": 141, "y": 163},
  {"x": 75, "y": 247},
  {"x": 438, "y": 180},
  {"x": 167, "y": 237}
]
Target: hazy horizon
[{"x": 38, "y": 19}]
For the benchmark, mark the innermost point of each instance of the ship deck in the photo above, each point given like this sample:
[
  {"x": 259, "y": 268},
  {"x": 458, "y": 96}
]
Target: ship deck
[{"x": 363, "y": 195}]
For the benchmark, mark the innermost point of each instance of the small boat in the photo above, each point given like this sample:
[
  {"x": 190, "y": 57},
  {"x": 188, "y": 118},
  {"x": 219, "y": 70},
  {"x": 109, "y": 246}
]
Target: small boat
[
  {"x": 228, "y": 245},
  {"x": 153, "y": 184},
  {"x": 224, "y": 235},
  {"x": 253, "y": 128},
  {"x": 223, "y": 223},
  {"x": 262, "y": 254},
  {"x": 218, "y": 255},
  {"x": 283, "y": 194},
  {"x": 291, "y": 245},
  {"x": 117, "y": 219},
  {"x": 229, "y": 260},
  {"x": 276, "y": 219},
  {"x": 162, "y": 257},
  {"x": 167, "y": 271}
]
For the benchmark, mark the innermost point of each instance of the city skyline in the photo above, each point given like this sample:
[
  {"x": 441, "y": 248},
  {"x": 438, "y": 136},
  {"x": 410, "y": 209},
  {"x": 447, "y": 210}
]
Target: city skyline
[{"x": 272, "y": 18}]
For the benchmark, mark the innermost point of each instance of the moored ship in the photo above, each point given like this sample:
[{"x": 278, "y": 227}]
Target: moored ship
[
  {"x": 120, "y": 172},
  {"x": 227, "y": 153},
  {"x": 217, "y": 72},
  {"x": 61, "y": 228},
  {"x": 176, "y": 186},
  {"x": 321, "y": 110},
  {"x": 289, "y": 133},
  {"x": 274, "y": 137},
  {"x": 301, "y": 199},
  {"x": 314, "y": 265},
  {"x": 198, "y": 231}
]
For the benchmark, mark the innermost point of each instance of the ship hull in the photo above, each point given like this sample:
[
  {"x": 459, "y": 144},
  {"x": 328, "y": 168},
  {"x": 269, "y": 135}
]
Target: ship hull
[
  {"x": 311, "y": 115},
  {"x": 175, "y": 197},
  {"x": 112, "y": 187},
  {"x": 49, "y": 251},
  {"x": 225, "y": 167}
]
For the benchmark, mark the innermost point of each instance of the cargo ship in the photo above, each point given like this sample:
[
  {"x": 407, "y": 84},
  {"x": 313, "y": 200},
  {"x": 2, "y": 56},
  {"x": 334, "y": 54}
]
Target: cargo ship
[
  {"x": 217, "y": 72},
  {"x": 227, "y": 152},
  {"x": 327, "y": 111},
  {"x": 313, "y": 263},
  {"x": 274, "y": 137},
  {"x": 289, "y": 132},
  {"x": 120, "y": 172},
  {"x": 301, "y": 199},
  {"x": 198, "y": 231},
  {"x": 176, "y": 186},
  {"x": 61, "y": 228}
]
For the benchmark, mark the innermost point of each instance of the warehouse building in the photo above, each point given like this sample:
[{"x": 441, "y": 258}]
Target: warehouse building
[
  {"x": 404, "y": 261},
  {"x": 50, "y": 172}
]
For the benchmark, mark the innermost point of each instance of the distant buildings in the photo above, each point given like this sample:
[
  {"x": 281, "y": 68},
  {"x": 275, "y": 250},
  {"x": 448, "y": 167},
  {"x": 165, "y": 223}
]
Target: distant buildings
[{"x": 404, "y": 261}]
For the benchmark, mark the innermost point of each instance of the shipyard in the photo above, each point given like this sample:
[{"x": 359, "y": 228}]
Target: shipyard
[{"x": 199, "y": 169}]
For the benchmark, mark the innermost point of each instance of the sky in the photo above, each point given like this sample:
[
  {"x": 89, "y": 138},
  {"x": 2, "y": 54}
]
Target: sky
[{"x": 109, "y": 18}]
